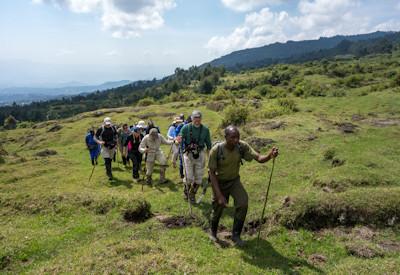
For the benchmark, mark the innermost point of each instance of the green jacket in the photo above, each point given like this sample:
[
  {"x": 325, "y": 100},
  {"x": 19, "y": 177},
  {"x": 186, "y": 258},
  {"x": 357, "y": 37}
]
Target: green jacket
[{"x": 200, "y": 134}]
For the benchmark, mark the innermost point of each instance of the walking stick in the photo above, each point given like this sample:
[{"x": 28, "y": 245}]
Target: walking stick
[
  {"x": 186, "y": 183},
  {"x": 265, "y": 201},
  {"x": 94, "y": 166}
]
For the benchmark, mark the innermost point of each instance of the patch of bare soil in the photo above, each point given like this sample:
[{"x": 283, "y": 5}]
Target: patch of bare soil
[
  {"x": 55, "y": 128},
  {"x": 259, "y": 143},
  {"x": 363, "y": 251},
  {"x": 317, "y": 259},
  {"x": 385, "y": 122},
  {"x": 270, "y": 125},
  {"x": 175, "y": 221},
  {"x": 347, "y": 127},
  {"x": 46, "y": 153},
  {"x": 389, "y": 246}
]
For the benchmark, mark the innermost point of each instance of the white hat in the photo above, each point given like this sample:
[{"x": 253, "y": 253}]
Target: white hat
[
  {"x": 141, "y": 124},
  {"x": 107, "y": 121}
]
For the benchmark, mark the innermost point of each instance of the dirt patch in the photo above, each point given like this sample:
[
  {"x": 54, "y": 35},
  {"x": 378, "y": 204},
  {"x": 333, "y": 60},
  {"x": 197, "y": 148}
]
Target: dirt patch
[
  {"x": 311, "y": 137},
  {"x": 390, "y": 246},
  {"x": 287, "y": 201},
  {"x": 317, "y": 259},
  {"x": 337, "y": 162},
  {"x": 385, "y": 122},
  {"x": 347, "y": 127},
  {"x": 259, "y": 143},
  {"x": 363, "y": 251},
  {"x": 136, "y": 211},
  {"x": 364, "y": 233},
  {"x": 4, "y": 261},
  {"x": 175, "y": 221},
  {"x": 3, "y": 151},
  {"x": 55, "y": 128},
  {"x": 315, "y": 211},
  {"x": 357, "y": 117},
  {"x": 46, "y": 153},
  {"x": 146, "y": 115},
  {"x": 252, "y": 227},
  {"x": 270, "y": 125},
  {"x": 216, "y": 106}
]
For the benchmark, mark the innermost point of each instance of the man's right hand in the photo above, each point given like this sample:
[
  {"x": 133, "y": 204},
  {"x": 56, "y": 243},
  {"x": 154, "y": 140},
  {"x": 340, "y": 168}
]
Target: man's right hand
[
  {"x": 221, "y": 200},
  {"x": 101, "y": 142}
]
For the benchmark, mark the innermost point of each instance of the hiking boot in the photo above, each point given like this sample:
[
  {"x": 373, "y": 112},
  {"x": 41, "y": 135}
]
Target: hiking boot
[
  {"x": 213, "y": 236},
  {"x": 238, "y": 241},
  {"x": 213, "y": 231},
  {"x": 162, "y": 176},
  {"x": 236, "y": 231}
]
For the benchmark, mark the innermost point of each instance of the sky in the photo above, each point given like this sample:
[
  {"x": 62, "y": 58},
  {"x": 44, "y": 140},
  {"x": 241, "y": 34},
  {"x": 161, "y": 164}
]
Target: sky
[{"x": 49, "y": 42}]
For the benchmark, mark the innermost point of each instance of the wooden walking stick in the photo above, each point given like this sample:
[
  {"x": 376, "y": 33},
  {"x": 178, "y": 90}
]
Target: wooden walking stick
[{"x": 265, "y": 201}]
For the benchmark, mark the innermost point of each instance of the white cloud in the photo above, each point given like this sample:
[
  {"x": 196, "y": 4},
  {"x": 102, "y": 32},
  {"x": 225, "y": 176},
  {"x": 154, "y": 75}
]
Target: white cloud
[
  {"x": 124, "y": 18},
  {"x": 248, "y": 5},
  {"x": 315, "y": 18}
]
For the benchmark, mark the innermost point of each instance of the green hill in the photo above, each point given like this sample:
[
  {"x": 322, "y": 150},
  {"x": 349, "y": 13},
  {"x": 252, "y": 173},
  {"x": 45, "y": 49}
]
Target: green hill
[{"x": 334, "y": 204}]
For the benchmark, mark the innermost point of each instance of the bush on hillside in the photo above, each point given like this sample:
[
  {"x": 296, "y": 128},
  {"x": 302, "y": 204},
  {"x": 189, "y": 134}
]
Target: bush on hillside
[
  {"x": 289, "y": 105},
  {"x": 146, "y": 102},
  {"x": 235, "y": 115}
]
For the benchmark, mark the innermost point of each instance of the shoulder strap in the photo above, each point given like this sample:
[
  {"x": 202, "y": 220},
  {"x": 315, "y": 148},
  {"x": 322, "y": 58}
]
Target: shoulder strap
[{"x": 220, "y": 151}]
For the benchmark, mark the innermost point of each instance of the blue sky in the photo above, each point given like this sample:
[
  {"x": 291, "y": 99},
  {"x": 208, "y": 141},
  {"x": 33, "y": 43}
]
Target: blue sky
[{"x": 91, "y": 41}]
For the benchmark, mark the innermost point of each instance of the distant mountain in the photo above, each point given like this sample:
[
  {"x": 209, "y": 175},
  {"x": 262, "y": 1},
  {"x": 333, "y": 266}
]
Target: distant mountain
[
  {"x": 24, "y": 95},
  {"x": 274, "y": 53}
]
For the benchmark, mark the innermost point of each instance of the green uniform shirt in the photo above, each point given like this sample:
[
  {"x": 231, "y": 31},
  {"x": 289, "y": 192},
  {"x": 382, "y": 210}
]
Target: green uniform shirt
[
  {"x": 227, "y": 164},
  {"x": 203, "y": 139}
]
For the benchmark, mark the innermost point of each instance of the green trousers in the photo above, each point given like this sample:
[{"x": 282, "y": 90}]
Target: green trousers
[{"x": 235, "y": 189}]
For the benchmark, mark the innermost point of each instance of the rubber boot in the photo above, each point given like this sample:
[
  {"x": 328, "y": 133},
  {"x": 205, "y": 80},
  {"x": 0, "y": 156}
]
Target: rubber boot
[
  {"x": 162, "y": 175},
  {"x": 108, "y": 168},
  {"x": 149, "y": 180},
  {"x": 213, "y": 231},
  {"x": 93, "y": 162},
  {"x": 192, "y": 192},
  {"x": 236, "y": 231}
]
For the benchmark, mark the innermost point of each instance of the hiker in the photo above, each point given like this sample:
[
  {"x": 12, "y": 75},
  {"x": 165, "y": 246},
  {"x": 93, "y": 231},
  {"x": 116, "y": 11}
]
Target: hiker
[
  {"x": 196, "y": 138},
  {"x": 132, "y": 144},
  {"x": 224, "y": 164},
  {"x": 181, "y": 145},
  {"x": 150, "y": 125},
  {"x": 123, "y": 134},
  {"x": 151, "y": 146},
  {"x": 93, "y": 147},
  {"x": 107, "y": 136},
  {"x": 171, "y": 136}
]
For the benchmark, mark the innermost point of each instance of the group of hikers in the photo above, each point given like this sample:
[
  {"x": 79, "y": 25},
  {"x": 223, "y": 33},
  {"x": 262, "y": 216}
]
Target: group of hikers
[{"x": 190, "y": 142}]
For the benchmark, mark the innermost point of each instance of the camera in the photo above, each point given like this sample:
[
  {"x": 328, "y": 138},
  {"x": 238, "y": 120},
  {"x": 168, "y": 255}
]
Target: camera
[{"x": 194, "y": 149}]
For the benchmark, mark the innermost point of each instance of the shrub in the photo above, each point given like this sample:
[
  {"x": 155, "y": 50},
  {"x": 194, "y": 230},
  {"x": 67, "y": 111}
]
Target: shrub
[
  {"x": 329, "y": 154},
  {"x": 221, "y": 94},
  {"x": 235, "y": 115},
  {"x": 272, "y": 112},
  {"x": 288, "y": 105},
  {"x": 146, "y": 101}
]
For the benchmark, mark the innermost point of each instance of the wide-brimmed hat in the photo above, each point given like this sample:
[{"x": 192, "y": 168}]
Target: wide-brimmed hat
[
  {"x": 107, "y": 121},
  {"x": 177, "y": 120},
  {"x": 141, "y": 124}
]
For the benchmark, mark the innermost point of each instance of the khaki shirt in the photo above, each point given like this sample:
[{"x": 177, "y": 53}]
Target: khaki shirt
[
  {"x": 153, "y": 144},
  {"x": 227, "y": 165}
]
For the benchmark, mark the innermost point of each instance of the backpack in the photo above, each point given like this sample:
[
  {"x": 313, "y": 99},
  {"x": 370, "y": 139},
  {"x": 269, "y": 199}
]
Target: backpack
[
  {"x": 102, "y": 131},
  {"x": 220, "y": 151}
]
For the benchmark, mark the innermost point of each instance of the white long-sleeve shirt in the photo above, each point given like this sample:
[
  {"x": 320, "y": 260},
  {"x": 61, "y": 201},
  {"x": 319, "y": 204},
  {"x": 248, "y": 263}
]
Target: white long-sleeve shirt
[{"x": 153, "y": 144}]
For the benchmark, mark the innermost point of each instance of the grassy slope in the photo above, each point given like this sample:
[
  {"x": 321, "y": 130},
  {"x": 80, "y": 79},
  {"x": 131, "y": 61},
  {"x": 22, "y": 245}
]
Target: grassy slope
[{"x": 46, "y": 226}]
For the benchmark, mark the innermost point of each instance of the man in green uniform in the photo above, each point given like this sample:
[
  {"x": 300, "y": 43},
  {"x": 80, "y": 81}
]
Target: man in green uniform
[
  {"x": 224, "y": 164},
  {"x": 196, "y": 138}
]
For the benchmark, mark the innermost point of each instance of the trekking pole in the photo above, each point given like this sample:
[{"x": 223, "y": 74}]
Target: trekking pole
[
  {"x": 265, "y": 201},
  {"x": 170, "y": 151},
  {"x": 186, "y": 182},
  {"x": 94, "y": 166}
]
